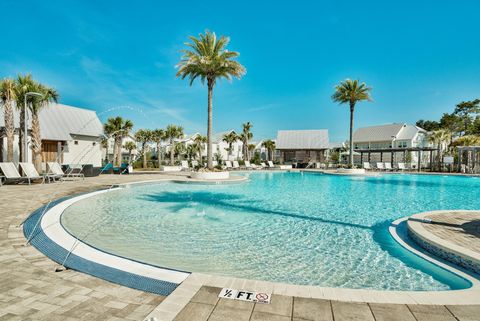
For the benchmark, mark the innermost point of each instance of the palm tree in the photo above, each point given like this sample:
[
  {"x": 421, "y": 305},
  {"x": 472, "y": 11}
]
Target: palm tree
[
  {"x": 24, "y": 84},
  {"x": 48, "y": 95},
  {"x": 130, "y": 146},
  {"x": 351, "y": 92},
  {"x": 250, "y": 148},
  {"x": 144, "y": 136},
  {"x": 245, "y": 136},
  {"x": 208, "y": 59},
  {"x": 191, "y": 151},
  {"x": 199, "y": 142},
  {"x": 270, "y": 146},
  {"x": 172, "y": 133},
  {"x": 158, "y": 136},
  {"x": 439, "y": 137},
  {"x": 117, "y": 128},
  {"x": 230, "y": 138},
  {"x": 180, "y": 149},
  {"x": 7, "y": 97}
]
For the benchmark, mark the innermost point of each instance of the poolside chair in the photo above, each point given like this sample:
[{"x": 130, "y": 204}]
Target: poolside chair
[
  {"x": 388, "y": 166},
  {"x": 263, "y": 165},
  {"x": 55, "y": 169},
  {"x": 11, "y": 173},
  {"x": 248, "y": 165},
  {"x": 401, "y": 167},
  {"x": 380, "y": 166},
  {"x": 184, "y": 165},
  {"x": 31, "y": 174},
  {"x": 194, "y": 163},
  {"x": 228, "y": 165},
  {"x": 366, "y": 165},
  {"x": 236, "y": 165}
]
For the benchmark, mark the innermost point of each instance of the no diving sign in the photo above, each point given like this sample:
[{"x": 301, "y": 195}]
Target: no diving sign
[{"x": 243, "y": 295}]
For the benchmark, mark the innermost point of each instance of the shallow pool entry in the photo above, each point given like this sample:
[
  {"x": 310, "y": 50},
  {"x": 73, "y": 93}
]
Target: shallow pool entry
[{"x": 284, "y": 227}]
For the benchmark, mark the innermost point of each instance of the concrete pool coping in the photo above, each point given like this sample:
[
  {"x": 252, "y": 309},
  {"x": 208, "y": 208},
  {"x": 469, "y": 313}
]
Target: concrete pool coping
[{"x": 192, "y": 282}]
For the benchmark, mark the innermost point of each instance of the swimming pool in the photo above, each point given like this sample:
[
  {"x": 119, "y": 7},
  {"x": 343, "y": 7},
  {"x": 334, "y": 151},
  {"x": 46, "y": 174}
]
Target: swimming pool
[{"x": 301, "y": 228}]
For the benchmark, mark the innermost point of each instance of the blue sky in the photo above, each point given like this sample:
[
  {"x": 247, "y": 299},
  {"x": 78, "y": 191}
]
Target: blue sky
[{"x": 119, "y": 57}]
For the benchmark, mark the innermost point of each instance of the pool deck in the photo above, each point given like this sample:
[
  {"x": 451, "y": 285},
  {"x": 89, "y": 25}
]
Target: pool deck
[{"x": 31, "y": 290}]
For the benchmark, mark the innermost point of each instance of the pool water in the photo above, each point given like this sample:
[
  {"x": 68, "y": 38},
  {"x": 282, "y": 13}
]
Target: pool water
[{"x": 301, "y": 228}]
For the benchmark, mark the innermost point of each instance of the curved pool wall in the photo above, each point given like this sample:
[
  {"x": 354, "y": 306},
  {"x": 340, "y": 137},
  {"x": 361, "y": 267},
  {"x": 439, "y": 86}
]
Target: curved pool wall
[
  {"x": 382, "y": 237},
  {"x": 61, "y": 255}
]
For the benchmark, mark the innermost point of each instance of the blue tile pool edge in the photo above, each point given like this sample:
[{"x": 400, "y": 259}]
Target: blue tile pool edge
[{"x": 57, "y": 254}]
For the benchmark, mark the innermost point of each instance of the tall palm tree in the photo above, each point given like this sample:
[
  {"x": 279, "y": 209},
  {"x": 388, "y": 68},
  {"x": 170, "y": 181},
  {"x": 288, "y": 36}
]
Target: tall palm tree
[
  {"x": 130, "y": 146},
  {"x": 117, "y": 128},
  {"x": 144, "y": 136},
  {"x": 172, "y": 133},
  {"x": 230, "y": 138},
  {"x": 7, "y": 98},
  {"x": 208, "y": 59},
  {"x": 439, "y": 137},
  {"x": 245, "y": 136},
  {"x": 48, "y": 95},
  {"x": 199, "y": 142},
  {"x": 158, "y": 136},
  {"x": 270, "y": 146},
  {"x": 25, "y": 84},
  {"x": 351, "y": 92}
]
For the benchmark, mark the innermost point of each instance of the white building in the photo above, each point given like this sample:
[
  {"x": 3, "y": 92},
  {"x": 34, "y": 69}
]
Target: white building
[
  {"x": 70, "y": 135},
  {"x": 383, "y": 142}
]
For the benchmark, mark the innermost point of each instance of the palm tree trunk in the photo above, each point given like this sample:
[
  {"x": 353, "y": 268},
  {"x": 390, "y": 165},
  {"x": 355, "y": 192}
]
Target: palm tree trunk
[
  {"x": 114, "y": 150},
  {"x": 36, "y": 143},
  {"x": 9, "y": 130},
  {"x": 144, "y": 148},
  {"x": 350, "y": 157},
  {"x": 159, "y": 159},
  {"x": 119, "y": 151},
  {"x": 209, "y": 126},
  {"x": 21, "y": 157},
  {"x": 172, "y": 152}
]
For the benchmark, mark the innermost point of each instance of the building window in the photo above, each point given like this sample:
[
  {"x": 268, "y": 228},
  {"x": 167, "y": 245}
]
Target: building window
[
  {"x": 94, "y": 143},
  {"x": 75, "y": 142}
]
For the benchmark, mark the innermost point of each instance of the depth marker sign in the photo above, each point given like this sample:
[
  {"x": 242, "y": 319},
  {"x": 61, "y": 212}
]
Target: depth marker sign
[{"x": 243, "y": 295}]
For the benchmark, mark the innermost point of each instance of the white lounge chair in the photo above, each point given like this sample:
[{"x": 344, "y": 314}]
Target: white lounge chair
[
  {"x": 388, "y": 166},
  {"x": 380, "y": 166},
  {"x": 236, "y": 165},
  {"x": 270, "y": 165},
  {"x": 55, "y": 169},
  {"x": 248, "y": 165},
  {"x": 263, "y": 165},
  {"x": 401, "y": 167},
  {"x": 11, "y": 173},
  {"x": 194, "y": 163},
  {"x": 228, "y": 164},
  {"x": 31, "y": 174},
  {"x": 184, "y": 165},
  {"x": 366, "y": 165}
]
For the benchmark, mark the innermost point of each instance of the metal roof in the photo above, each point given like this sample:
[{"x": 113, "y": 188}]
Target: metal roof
[
  {"x": 377, "y": 133},
  {"x": 302, "y": 139},
  {"x": 59, "y": 122}
]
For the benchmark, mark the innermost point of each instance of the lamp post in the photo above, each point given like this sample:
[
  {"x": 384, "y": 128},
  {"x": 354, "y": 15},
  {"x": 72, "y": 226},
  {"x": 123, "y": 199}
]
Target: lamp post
[{"x": 25, "y": 149}]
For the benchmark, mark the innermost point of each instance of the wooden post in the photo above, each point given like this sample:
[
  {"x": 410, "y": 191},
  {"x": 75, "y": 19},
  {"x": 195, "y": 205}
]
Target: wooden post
[
  {"x": 381, "y": 157},
  {"x": 419, "y": 159}
]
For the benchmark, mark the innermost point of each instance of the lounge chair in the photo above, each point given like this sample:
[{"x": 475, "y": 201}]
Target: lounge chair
[
  {"x": 54, "y": 168},
  {"x": 228, "y": 165},
  {"x": 270, "y": 165},
  {"x": 194, "y": 163},
  {"x": 366, "y": 165},
  {"x": 263, "y": 165},
  {"x": 236, "y": 165},
  {"x": 184, "y": 165},
  {"x": 11, "y": 173},
  {"x": 248, "y": 165},
  {"x": 388, "y": 166},
  {"x": 401, "y": 167},
  {"x": 380, "y": 166},
  {"x": 31, "y": 174}
]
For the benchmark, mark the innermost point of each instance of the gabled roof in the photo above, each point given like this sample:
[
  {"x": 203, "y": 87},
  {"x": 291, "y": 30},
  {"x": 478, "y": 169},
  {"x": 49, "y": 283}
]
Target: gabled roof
[
  {"x": 59, "y": 122},
  {"x": 377, "y": 133},
  {"x": 302, "y": 139},
  {"x": 384, "y": 133},
  {"x": 218, "y": 137}
]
